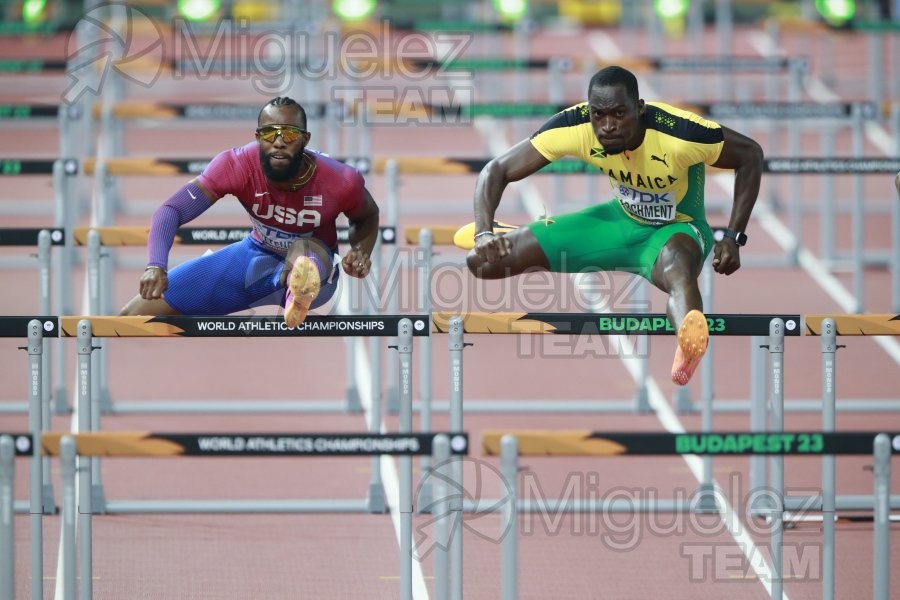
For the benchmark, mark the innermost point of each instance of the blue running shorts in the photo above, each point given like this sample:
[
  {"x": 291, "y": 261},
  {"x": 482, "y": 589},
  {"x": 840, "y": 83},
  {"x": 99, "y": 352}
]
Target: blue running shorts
[{"x": 240, "y": 276}]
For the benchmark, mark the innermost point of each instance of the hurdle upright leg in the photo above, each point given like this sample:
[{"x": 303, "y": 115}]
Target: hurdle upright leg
[
  {"x": 829, "y": 347},
  {"x": 425, "y": 360},
  {"x": 68, "y": 468},
  {"x": 404, "y": 353},
  {"x": 46, "y": 379},
  {"x": 7, "y": 512},
  {"x": 441, "y": 531},
  {"x": 375, "y": 500},
  {"x": 88, "y": 466},
  {"x": 457, "y": 345},
  {"x": 706, "y": 497},
  {"x": 881, "y": 559},
  {"x": 509, "y": 545},
  {"x": 36, "y": 426},
  {"x": 776, "y": 364}
]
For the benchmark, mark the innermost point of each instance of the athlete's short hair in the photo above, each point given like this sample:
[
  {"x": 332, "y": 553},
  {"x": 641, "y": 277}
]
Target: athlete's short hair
[
  {"x": 284, "y": 101},
  {"x": 615, "y": 75}
]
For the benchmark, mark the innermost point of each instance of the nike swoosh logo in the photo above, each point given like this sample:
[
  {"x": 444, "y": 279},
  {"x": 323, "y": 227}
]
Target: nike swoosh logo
[
  {"x": 192, "y": 194},
  {"x": 258, "y": 194}
]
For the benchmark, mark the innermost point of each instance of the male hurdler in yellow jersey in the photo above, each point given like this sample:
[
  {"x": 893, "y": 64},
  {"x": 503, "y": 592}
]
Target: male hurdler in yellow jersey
[
  {"x": 660, "y": 181},
  {"x": 654, "y": 156}
]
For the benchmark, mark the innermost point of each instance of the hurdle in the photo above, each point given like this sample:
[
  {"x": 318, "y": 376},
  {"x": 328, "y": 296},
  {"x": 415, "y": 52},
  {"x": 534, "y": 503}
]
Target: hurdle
[
  {"x": 511, "y": 445},
  {"x": 99, "y": 303},
  {"x": 742, "y": 325},
  {"x": 87, "y": 329},
  {"x": 78, "y": 508}
]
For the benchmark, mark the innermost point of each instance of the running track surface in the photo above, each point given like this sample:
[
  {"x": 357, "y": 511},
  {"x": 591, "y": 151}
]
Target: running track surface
[{"x": 356, "y": 556}]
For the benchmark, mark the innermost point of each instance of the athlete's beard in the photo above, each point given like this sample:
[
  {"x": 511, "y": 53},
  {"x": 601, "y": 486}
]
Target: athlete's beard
[{"x": 280, "y": 174}]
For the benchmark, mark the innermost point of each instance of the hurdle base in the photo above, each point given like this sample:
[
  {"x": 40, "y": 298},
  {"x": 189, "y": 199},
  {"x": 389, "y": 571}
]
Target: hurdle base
[
  {"x": 580, "y": 505},
  {"x": 375, "y": 502},
  {"x": 232, "y": 406},
  {"x": 60, "y": 404},
  {"x": 48, "y": 500},
  {"x": 705, "y": 499},
  {"x": 354, "y": 404},
  {"x": 234, "y": 506},
  {"x": 684, "y": 404}
]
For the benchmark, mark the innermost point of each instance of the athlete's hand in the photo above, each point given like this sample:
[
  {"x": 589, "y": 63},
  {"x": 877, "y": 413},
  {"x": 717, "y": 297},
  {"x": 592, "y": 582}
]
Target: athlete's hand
[
  {"x": 357, "y": 263},
  {"x": 492, "y": 248},
  {"x": 153, "y": 283},
  {"x": 726, "y": 256}
]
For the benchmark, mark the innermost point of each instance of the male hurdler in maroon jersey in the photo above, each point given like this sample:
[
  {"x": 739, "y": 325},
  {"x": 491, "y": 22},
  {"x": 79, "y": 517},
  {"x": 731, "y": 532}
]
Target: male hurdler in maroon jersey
[{"x": 293, "y": 197}]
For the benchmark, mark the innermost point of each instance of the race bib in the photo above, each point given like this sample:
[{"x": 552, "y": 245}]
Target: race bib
[{"x": 654, "y": 207}]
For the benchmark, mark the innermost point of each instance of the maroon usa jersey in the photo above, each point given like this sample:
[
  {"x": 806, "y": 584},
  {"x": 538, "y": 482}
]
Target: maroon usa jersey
[{"x": 280, "y": 217}]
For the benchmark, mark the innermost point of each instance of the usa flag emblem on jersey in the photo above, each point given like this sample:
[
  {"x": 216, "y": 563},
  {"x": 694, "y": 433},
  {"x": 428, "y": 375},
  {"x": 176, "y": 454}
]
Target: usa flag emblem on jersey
[{"x": 312, "y": 200}]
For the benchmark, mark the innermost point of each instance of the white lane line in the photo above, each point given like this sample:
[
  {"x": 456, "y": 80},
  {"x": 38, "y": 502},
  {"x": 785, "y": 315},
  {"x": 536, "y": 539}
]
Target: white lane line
[{"x": 389, "y": 475}]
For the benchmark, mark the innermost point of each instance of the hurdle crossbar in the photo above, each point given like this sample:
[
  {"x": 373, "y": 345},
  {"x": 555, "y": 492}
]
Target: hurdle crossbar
[
  {"x": 151, "y": 444},
  {"x": 606, "y": 323},
  {"x": 473, "y": 322},
  {"x": 600, "y": 443},
  {"x": 586, "y": 443}
]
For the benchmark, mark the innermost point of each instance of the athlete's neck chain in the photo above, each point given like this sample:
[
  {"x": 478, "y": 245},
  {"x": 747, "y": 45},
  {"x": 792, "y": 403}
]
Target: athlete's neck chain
[{"x": 307, "y": 170}]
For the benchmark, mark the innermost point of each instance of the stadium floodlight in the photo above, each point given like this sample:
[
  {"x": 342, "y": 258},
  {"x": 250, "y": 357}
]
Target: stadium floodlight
[
  {"x": 836, "y": 12},
  {"x": 33, "y": 11},
  {"x": 353, "y": 10},
  {"x": 671, "y": 9},
  {"x": 511, "y": 10},
  {"x": 198, "y": 10}
]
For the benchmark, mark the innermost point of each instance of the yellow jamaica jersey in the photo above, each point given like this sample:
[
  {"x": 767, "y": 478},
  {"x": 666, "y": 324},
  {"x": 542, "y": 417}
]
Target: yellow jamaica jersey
[{"x": 659, "y": 182}]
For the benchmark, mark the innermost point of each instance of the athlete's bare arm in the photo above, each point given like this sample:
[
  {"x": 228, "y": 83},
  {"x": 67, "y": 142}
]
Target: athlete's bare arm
[
  {"x": 745, "y": 157},
  {"x": 362, "y": 236},
  {"x": 515, "y": 164}
]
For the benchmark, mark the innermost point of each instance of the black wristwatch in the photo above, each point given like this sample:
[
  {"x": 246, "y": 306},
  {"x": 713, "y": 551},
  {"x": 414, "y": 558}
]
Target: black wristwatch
[{"x": 739, "y": 237}]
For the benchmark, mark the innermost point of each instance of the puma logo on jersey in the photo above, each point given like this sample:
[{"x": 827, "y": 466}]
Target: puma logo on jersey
[{"x": 662, "y": 160}]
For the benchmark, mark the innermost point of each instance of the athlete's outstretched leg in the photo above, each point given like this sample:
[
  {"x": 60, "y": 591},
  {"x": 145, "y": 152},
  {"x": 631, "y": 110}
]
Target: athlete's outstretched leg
[
  {"x": 676, "y": 271},
  {"x": 308, "y": 262},
  {"x": 525, "y": 254}
]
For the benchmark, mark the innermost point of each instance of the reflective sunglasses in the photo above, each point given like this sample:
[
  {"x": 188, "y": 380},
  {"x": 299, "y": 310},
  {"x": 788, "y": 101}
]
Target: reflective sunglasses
[{"x": 288, "y": 133}]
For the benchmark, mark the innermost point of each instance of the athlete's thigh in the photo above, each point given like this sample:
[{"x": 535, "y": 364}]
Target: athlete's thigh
[
  {"x": 597, "y": 238},
  {"x": 695, "y": 249},
  {"x": 226, "y": 281}
]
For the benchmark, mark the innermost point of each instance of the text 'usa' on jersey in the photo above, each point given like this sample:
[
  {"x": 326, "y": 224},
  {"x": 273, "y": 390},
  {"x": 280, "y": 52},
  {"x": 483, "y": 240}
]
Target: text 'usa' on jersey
[
  {"x": 279, "y": 216},
  {"x": 660, "y": 181}
]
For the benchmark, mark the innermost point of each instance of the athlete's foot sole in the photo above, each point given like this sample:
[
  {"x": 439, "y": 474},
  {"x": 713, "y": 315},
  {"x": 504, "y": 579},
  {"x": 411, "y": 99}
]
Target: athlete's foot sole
[
  {"x": 693, "y": 339},
  {"x": 303, "y": 287}
]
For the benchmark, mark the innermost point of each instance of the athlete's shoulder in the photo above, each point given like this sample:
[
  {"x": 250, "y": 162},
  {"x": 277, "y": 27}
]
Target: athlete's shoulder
[
  {"x": 333, "y": 166},
  {"x": 682, "y": 124},
  {"x": 573, "y": 116},
  {"x": 240, "y": 156}
]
